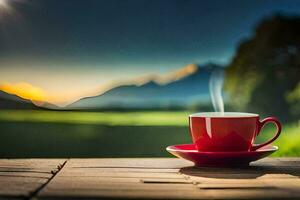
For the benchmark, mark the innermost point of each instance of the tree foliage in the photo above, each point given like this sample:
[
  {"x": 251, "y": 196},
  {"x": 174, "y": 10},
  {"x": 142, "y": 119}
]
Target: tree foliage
[{"x": 265, "y": 72}]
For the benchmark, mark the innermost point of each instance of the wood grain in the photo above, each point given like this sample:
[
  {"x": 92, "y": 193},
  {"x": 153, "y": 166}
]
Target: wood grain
[
  {"x": 150, "y": 178},
  {"x": 19, "y": 178}
]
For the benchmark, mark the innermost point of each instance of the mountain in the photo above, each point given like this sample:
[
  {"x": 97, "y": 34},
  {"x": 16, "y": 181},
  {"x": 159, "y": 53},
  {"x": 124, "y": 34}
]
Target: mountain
[
  {"x": 10, "y": 101},
  {"x": 181, "y": 88}
]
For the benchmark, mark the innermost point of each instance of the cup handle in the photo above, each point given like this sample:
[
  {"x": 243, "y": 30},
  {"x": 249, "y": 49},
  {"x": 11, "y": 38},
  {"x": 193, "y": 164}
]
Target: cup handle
[{"x": 261, "y": 125}]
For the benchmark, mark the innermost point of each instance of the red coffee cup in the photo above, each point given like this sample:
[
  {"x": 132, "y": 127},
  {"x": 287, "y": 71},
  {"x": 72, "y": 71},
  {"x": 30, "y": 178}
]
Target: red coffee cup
[{"x": 229, "y": 131}]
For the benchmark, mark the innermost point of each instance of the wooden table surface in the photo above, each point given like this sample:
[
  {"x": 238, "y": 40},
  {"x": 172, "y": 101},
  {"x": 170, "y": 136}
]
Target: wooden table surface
[{"x": 146, "y": 178}]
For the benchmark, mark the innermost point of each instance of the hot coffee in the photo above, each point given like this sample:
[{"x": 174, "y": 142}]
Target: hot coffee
[{"x": 229, "y": 131}]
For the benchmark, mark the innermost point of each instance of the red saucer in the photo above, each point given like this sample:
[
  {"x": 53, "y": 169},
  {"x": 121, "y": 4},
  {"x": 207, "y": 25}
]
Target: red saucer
[{"x": 219, "y": 159}]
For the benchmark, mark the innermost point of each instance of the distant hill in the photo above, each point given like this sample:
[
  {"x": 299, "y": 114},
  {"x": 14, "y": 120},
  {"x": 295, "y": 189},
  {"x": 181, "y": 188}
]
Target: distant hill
[
  {"x": 181, "y": 88},
  {"x": 10, "y": 101}
]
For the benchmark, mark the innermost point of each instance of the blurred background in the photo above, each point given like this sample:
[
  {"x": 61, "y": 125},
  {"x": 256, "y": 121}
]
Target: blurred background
[{"x": 118, "y": 78}]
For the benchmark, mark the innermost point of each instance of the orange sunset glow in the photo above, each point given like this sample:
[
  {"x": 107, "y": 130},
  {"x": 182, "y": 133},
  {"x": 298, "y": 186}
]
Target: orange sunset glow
[
  {"x": 62, "y": 98},
  {"x": 39, "y": 95},
  {"x": 24, "y": 90}
]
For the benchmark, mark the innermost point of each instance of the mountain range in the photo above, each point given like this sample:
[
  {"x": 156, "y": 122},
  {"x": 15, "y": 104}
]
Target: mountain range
[
  {"x": 10, "y": 101},
  {"x": 187, "y": 86},
  {"x": 181, "y": 88}
]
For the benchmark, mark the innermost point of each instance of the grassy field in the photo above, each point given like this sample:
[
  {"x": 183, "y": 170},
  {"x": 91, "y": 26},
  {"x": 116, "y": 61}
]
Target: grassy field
[
  {"x": 96, "y": 118},
  {"x": 108, "y": 134}
]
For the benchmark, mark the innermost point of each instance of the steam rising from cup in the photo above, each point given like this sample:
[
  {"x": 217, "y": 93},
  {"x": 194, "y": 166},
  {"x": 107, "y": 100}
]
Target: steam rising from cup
[{"x": 215, "y": 87}]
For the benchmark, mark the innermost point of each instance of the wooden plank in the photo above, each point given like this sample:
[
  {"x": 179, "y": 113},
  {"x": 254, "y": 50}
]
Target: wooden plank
[
  {"x": 121, "y": 186},
  {"x": 86, "y": 173},
  {"x": 147, "y": 178},
  {"x": 250, "y": 194},
  {"x": 124, "y": 194},
  {"x": 19, "y": 186},
  {"x": 136, "y": 170},
  {"x": 115, "y": 178},
  {"x": 157, "y": 163},
  {"x": 164, "y": 178},
  {"x": 21, "y": 177},
  {"x": 277, "y": 176},
  {"x": 25, "y": 174},
  {"x": 235, "y": 185}
]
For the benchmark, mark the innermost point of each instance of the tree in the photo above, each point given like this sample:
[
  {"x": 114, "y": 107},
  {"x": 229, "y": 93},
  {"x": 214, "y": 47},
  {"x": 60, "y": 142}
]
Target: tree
[{"x": 266, "y": 68}]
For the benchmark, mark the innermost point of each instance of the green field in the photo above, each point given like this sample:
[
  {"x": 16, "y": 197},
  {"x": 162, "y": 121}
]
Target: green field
[
  {"x": 108, "y": 134},
  {"x": 96, "y": 118}
]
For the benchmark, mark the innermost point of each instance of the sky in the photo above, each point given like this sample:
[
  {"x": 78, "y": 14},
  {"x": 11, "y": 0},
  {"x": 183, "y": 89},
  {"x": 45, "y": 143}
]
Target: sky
[{"x": 62, "y": 50}]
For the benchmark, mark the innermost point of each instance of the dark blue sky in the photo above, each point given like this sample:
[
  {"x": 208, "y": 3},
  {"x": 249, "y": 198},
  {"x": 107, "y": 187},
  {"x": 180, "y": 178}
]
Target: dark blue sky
[{"x": 105, "y": 40}]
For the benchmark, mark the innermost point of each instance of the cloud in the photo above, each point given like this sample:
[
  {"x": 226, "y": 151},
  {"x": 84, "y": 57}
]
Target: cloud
[
  {"x": 178, "y": 74},
  {"x": 166, "y": 78},
  {"x": 24, "y": 90}
]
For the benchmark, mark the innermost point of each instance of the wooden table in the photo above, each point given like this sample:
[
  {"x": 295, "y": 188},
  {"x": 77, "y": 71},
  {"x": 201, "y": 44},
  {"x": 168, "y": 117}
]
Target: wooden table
[{"x": 149, "y": 178}]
